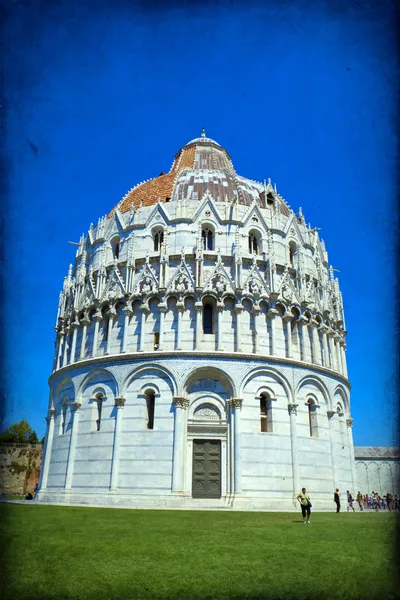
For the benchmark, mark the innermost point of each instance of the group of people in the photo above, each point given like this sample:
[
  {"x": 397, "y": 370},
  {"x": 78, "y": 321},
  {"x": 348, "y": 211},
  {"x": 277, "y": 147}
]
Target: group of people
[{"x": 371, "y": 501}]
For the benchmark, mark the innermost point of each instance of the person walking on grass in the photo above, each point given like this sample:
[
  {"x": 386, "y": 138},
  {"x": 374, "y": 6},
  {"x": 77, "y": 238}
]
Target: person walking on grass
[
  {"x": 349, "y": 501},
  {"x": 305, "y": 505},
  {"x": 336, "y": 498}
]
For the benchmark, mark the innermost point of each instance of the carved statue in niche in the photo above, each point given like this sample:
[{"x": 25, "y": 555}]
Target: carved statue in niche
[
  {"x": 219, "y": 284},
  {"x": 287, "y": 293},
  {"x": 146, "y": 285},
  {"x": 254, "y": 287},
  {"x": 181, "y": 284}
]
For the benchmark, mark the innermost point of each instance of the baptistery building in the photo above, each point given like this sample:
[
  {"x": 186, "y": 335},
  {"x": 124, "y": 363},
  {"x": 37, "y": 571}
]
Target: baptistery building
[{"x": 200, "y": 356}]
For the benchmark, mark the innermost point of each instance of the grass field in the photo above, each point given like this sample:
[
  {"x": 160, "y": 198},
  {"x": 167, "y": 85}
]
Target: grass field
[{"x": 95, "y": 553}]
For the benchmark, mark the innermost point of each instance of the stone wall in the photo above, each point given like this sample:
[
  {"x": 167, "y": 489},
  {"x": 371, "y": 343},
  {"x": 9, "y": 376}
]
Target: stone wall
[{"x": 19, "y": 467}]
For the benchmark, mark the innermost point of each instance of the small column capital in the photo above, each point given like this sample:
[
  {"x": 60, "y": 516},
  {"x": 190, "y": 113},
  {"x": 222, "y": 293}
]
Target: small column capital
[
  {"x": 292, "y": 407},
  {"x": 98, "y": 316},
  {"x": 163, "y": 307},
  {"x": 120, "y": 402},
  {"x": 52, "y": 412},
  {"x": 76, "y": 406},
  {"x": 239, "y": 308},
  {"x": 112, "y": 313},
  {"x": 75, "y": 324},
  {"x": 127, "y": 310},
  {"x": 272, "y": 313},
  {"x": 181, "y": 401},
  {"x": 85, "y": 320},
  {"x": 180, "y": 305},
  {"x": 287, "y": 317},
  {"x": 331, "y": 413},
  {"x": 349, "y": 422},
  {"x": 145, "y": 308},
  {"x": 220, "y": 306},
  {"x": 236, "y": 402},
  {"x": 313, "y": 324},
  {"x": 256, "y": 309}
]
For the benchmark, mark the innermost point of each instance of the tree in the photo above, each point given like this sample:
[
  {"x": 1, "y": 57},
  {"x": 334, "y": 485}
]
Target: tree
[{"x": 20, "y": 433}]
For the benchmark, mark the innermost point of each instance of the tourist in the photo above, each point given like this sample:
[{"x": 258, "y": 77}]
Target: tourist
[
  {"x": 360, "y": 501},
  {"x": 336, "y": 498},
  {"x": 349, "y": 501},
  {"x": 305, "y": 504}
]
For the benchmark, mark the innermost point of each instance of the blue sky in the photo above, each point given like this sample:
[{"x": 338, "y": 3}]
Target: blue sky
[{"x": 99, "y": 96}]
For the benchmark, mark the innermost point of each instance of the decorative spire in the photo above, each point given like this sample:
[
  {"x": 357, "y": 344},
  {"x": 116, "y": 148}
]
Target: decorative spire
[{"x": 203, "y": 132}]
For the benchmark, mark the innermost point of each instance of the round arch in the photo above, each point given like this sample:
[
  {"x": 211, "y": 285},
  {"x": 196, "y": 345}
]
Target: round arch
[
  {"x": 273, "y": 373},
  {"x": 150, "y": 367},
  {"x": 313, "y": 380},
  {"x": 206, "y": 372},
  {"x": 91, "y": 375}
]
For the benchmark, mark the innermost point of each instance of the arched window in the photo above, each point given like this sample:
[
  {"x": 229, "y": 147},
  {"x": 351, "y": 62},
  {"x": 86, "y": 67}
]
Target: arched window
[
  {"x": 253, "y": 244},
  {"x": 312, "y": 418},
  {"x": 207, "y": 318},
  {"x": 292, "y": 253},
  {"x": 115, "y": 246},
  {"x": 270, "y": 199},
  {"x": 99, "y": 401},
  {"x": 150, "y": 403},
  {"x": 208, "y": 238},
  {"x": 158, "y": 240},
  {"x": 265, "y": 413}
]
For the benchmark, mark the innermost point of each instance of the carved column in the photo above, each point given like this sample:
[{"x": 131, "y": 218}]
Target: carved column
[
  {"x": 300, "y": 336},
  {"x": 238, "y": 311},
  {"x": 349, "y": 423},
  {"x": 315, "y": 343},
  {"x": 66, "y": 346},
  {"x": 338, "y": 354},
  {"x": 344, "y": 362},
  {"x": 97, "y": 318},
  {"x": 287, "y": 320},
  {"x": 293, "y": 439},
  {"x": 331, "y": 414},
  {"x": 60, "y": 349},
  {"x": 127, "y": 315},
  {"x": 74, "y": 327},
  {"x": 85, "y": 322},
  {"x": 256, "y": 312},
  {"x": 181, "y": 405},
  {"x": 72, "y": 445},
  {"x": 180, "y": 307},
  {"x": 163, "y": 310},
  {"x": 220, "y": 308},
  {"x": 324, "y": 333},
  {"x": 237, "y": 406},
  {"x": 145, "y": 310},
  {"x": 271, "y": 314},
  {"x": 199, "y": 311},
  {"x": 112, "y": 315},
  {"x": 119, "y": 403},
  {"x": 47, "y": 450}
]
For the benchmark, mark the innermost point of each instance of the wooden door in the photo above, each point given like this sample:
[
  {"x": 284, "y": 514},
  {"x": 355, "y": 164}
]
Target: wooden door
[{"x": 206, "y": 481}]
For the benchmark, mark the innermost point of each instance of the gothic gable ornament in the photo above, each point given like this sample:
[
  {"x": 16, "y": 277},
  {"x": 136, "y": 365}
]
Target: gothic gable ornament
[
  {"x": 255, "y": 284},
  {"x": 286, "y": 289},
  {"x": 114, "y": 287},
  {"x": 147, "y": 282},
  {"x": 158, "y": 216},
  {"x": 182, "y": 281},
  {"x": 207, "y": 203},
  {"x": 219, "y": 280}
]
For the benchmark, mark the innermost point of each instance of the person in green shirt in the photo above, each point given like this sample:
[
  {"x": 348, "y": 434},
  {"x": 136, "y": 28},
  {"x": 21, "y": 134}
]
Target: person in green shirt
[{"x": 305, "y": 505}]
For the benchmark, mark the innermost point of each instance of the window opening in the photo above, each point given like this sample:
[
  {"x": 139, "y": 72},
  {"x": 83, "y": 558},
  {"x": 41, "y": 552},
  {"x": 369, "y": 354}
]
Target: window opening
[
  {"x": 207, "y": 318},
  {"x": 253, "y": 244},
  {"x": 99, "y": 403},
  {"x": 150, "y": 402},
  {"x": 156, "y": 342},
  {"x": 270, "y": 199},
  {"x": 158, "y": 240},
  {"x": 207, "y": 236},
  {"x": 63, "y": 419},
  {"x": 312, "y": 418},
  {"x": 292, "y": 252},
  {"x": 265, "y": 413}
]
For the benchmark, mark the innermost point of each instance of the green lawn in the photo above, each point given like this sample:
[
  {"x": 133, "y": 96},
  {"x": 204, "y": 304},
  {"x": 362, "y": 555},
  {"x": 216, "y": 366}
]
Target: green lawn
[{"x": 96, "y": 553}]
